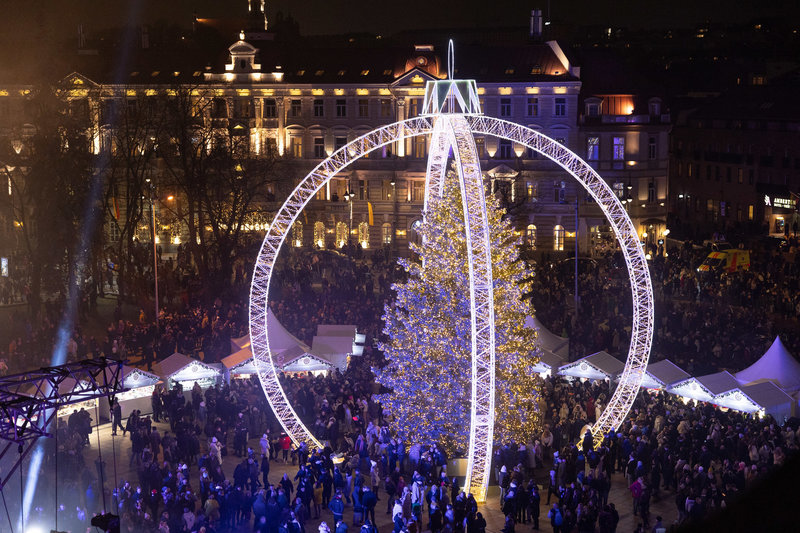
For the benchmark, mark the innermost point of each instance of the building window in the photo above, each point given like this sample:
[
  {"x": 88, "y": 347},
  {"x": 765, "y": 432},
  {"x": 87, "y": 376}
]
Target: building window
[
  {"x": 341, "y": 234},
  {"x": 295, "y": 108},
  {"x": 740, "y": 175},
  {"x": 505, "y": 107},
  {"x": 363, "y": 235},
  {"x": 480, "y": 147},
  {"x": 339, "y": 142},
  {"x": 561, "y": 107},
  {"x": 386, "y": 233},
  {"x": 750, "y": 212},
  {"x": 619, "y": 149},
  {"x": 319, "y": 235},
  {"x": 559, "y": 191},
  {"x": 319, "y": 148},
  {"x": 419, "y": 146},
  {"x": 417, "y": 191},
  {"x": 386, "y": 108},
  {"x": 533, "y": 107},
  {"x": 505, "y": 151},
  {"x": 413, "y": 107},
  {"x": 619, "y": 189},
  {"x": 558, "y": 238},
  {"x": 530, "y": 236},
  {"x": 651, "y": 192},
  {"x": 363, "y": 108},
  {"x": 341, "y": 108},
  {"x": 319, "y": 107},
  {"x": 297, "y": 235},
  {"x": 297, "y": 146},
  {"x": 113, "y": 228},
  {"x": 593, "y": 148},
  {"x": 652, "y": 149},
  {"x": 270, "y": 108},
  {"x": 531, "y": 189},
  {"x": 592, "y": 110}
]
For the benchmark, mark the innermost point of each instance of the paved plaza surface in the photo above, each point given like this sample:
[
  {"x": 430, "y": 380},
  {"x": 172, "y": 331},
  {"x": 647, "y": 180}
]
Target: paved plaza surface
[{"x": 663, "y": 505}]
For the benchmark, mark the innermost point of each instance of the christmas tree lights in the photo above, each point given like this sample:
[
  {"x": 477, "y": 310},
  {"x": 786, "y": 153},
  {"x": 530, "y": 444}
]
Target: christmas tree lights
[{"x": 428, "y": 324}]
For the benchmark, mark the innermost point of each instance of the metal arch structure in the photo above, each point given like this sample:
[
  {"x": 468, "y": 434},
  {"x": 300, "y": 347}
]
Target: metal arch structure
[
  {"x": 638, "y": 272},
  {"x": 455, "y": 132},
  {"x": 268, "y": 254},
  {"x": 452, "y": 132}
]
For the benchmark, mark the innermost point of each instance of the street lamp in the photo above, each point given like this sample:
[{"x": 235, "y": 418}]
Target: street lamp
[
  {"x": 349, "y": 197},
  {"x": 155, "y": 248}
]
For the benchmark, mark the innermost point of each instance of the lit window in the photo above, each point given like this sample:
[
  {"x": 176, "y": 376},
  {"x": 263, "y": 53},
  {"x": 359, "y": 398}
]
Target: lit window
[
  {"x": 558, "y": 238},
  {"x": 530, "y": 188},
  {"x": 387, "y": 72},
  {"x": 319, "y": 73},
  {"x": 340, "y": 73},
  {"x": 530, "y": 236},
  {"x": 419, "y": 145},
  {"x": 341, "y": 234},
  {"x": 386, "y": 233},
  {"x": 363, "y": 235},
  {"x": 364, "y": 72},
  {"x": 319, "y": 235}
]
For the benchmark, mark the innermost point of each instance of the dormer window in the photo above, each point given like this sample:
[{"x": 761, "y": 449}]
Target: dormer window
[{"x": 654, "y": 106}]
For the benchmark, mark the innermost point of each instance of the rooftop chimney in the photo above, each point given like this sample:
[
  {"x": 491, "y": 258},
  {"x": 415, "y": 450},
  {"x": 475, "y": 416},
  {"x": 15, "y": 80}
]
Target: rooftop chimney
[{"x": 536, "y": 24}]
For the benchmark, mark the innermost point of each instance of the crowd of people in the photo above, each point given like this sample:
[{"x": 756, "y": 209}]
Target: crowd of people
[{"x": 692, "y": 307}]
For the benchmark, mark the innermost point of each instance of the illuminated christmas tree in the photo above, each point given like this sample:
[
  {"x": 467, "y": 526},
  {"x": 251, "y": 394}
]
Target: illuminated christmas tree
[{"x": 428, "y": 352}]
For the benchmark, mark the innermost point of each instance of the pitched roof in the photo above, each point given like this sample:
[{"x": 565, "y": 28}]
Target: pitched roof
[{"x": 776, "y": 365}]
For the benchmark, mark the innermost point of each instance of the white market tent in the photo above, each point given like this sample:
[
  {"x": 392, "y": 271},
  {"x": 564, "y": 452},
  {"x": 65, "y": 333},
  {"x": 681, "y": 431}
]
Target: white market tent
[
  {"x": 600, "y": 365},
  {"x": 704, "y": 388},
  {"x": 662, "y": 374},
  {"x": 306, "y": 362},
  {"x": 547, "y": 339},
  {"x": 763, "y": 397},
  {"x": 777, "y": 366},
  {"x": 549, "y": 363},
  {"x": 140, "y": 384},
  {"x": 240, "y": 362},
  {"x": 182, "y": 368}
]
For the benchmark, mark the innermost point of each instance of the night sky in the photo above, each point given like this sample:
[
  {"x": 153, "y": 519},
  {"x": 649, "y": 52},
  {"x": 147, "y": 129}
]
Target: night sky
[{"x": 59, "y": 18}]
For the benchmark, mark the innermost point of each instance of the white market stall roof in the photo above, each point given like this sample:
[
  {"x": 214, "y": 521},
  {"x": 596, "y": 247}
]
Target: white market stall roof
[
  {"x": 764, "y": 396},
  {"x": 777, "y": 366},
  {"x": 279, "y": 338},
  {"x": 179, "y": 367},
  {"x": 548, "y": 362},
  {"x": 336, "y": 330},
  {"x": 600, "y": 365},
  {"x": 306, "y": 362},
  {"x": 133, "y": 377},
  {"x": 333, "y": 349},
  {"x": 705, "y": 388},
  {"x": 662, "y": 374},
  {"x": 240, "y": 362},
  {"x": 547, "y": 339}
]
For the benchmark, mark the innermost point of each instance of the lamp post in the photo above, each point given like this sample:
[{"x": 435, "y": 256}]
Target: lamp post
[
  {"x": 155, "y": 247},
  {"x": 349, "y": 197}
]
